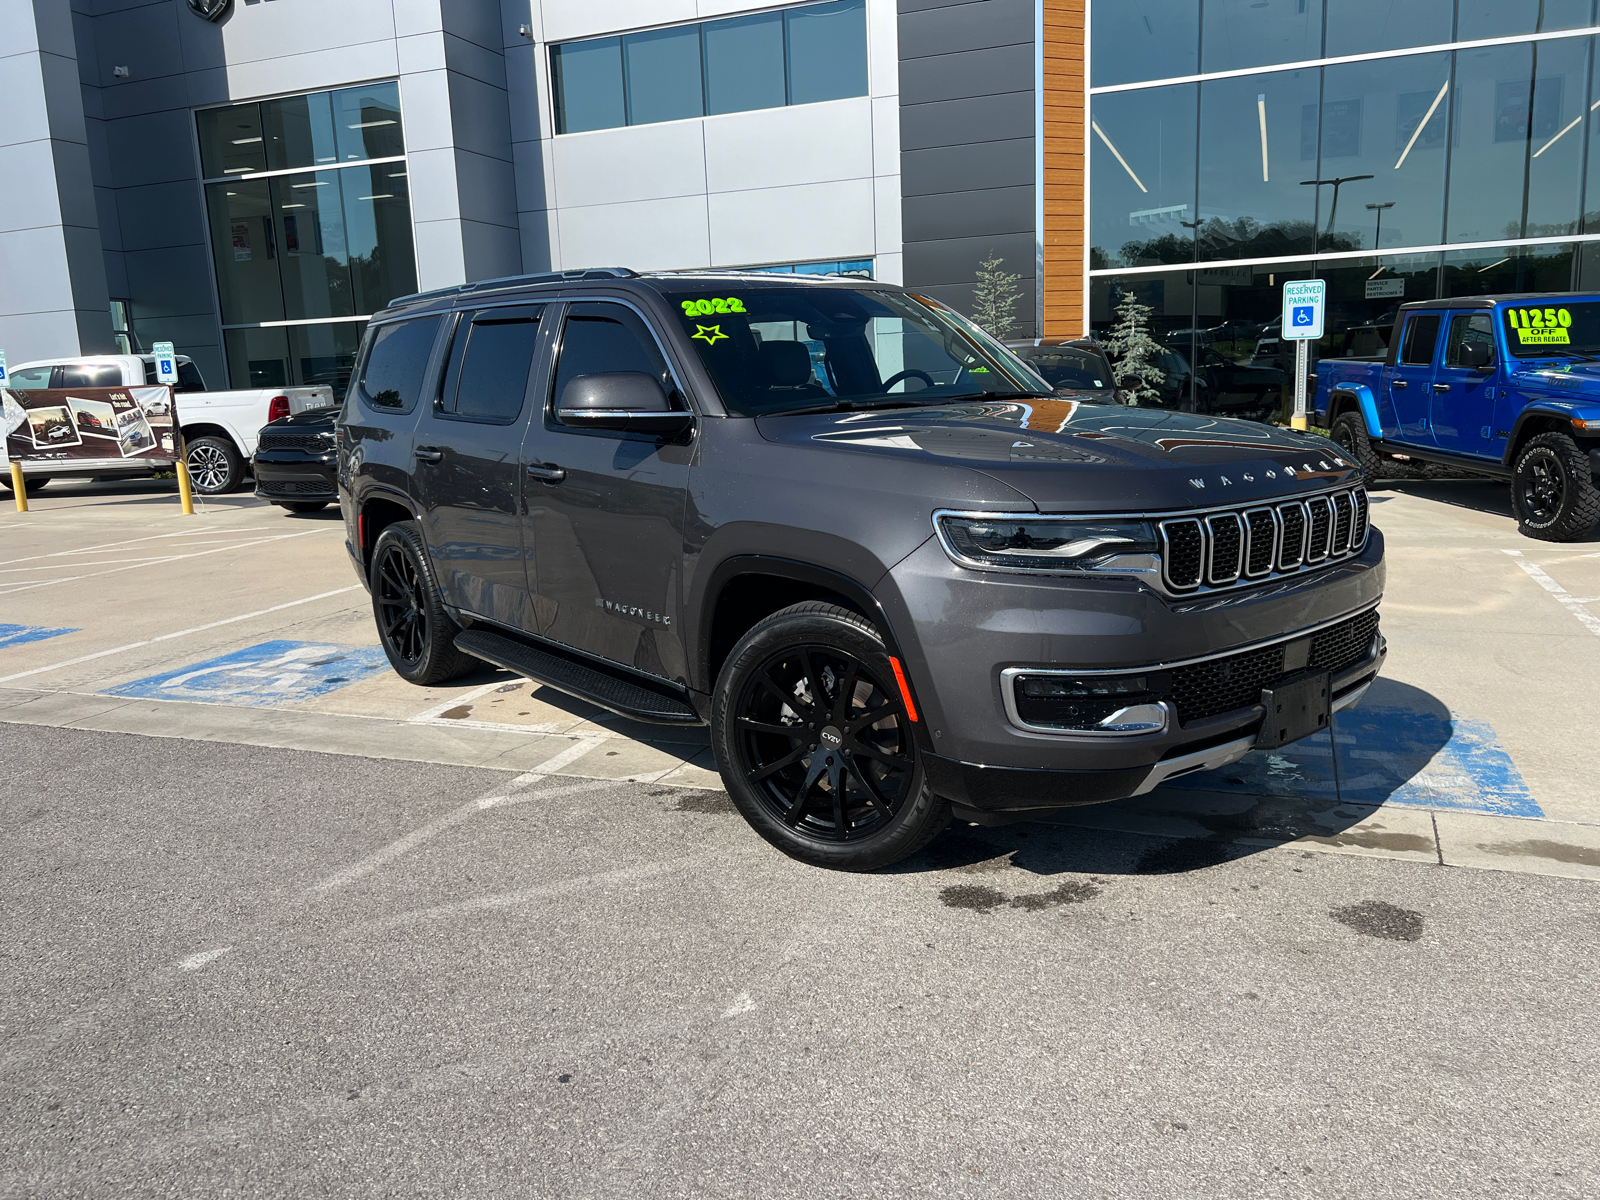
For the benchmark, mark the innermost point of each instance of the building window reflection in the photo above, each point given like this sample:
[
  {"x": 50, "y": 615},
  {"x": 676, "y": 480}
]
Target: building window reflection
[{"x": 310, "y": 217}]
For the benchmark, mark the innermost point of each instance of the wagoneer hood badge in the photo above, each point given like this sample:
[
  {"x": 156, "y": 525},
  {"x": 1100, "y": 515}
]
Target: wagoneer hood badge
[{"x": 1058, "y": 452}]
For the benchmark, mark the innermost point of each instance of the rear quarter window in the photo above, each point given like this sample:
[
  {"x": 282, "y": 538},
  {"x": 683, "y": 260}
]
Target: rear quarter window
[{"x": 391, "y": 377}]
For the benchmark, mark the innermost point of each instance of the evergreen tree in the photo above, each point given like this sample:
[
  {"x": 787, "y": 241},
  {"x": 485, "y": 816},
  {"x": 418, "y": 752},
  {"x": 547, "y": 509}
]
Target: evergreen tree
[
  {"x": 1133, "y": 351},
  {"x": 995, "y": 298}
]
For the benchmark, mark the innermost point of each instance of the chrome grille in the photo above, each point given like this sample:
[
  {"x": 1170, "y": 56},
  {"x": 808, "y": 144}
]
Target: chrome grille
[
  {"x": 1262, "y": 531},
  {"x": 1238, "y": 546},
  {"x": 1227, "y": 546},
  {"x": 1321, "y": 509},
  {"x": 1183, "y": 552},
  {"x": 1292, "y": 551}
]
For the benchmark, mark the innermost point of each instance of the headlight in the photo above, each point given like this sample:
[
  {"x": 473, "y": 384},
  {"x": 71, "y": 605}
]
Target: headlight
[{"x": 1054, "y": 545}]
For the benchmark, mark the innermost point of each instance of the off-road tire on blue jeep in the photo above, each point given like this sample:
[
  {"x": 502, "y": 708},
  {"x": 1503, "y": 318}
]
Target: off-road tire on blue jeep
[
  {"x": 1350, "y": 431},
  {"x": 1552, "y": 490},
  {"x": 417, "y": 634},
  {"x": 815, "y": 745}
]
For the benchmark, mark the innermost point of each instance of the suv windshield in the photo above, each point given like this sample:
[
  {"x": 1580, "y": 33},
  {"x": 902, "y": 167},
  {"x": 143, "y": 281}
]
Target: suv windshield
[
  {"x": 1068, "y": 368},
  {"x": 779, "y": 349},
  {"x": 1553, "y": 331}
]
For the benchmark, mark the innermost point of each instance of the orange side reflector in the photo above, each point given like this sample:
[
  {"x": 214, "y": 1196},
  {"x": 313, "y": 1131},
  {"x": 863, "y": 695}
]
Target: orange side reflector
[{"x": 905, "y": 690}]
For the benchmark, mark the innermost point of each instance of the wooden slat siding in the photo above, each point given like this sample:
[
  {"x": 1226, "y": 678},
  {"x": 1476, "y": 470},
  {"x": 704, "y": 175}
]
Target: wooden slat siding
[{"x": 1064, "y": 212}]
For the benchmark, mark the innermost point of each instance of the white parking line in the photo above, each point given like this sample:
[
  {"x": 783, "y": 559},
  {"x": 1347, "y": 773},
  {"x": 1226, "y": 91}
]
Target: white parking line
[
  {"x": 12, "y": 588},
  {"x": 167, "y": 637},
  {"x": 154, "y": 537},
  {"x": 1563, "y": 597}
]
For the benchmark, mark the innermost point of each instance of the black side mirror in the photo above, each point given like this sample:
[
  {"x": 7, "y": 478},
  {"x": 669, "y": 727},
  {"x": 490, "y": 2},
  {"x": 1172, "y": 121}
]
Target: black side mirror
[
  {"x": 1479, "y": 356},
  {"x": 627, "y": 400}
]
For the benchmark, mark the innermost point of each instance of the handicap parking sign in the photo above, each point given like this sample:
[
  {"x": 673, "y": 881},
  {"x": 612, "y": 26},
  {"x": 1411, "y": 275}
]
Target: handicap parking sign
[{"x": 1303, "y": 303}]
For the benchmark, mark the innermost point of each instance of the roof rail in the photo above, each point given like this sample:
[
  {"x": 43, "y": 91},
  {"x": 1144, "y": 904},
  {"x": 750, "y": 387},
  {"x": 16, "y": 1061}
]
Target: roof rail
[{"x": 505, "y": 281}]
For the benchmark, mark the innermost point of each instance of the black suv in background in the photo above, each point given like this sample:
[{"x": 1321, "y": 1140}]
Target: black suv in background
[
  {"x": 296, "y": 461},
  {"x": 864, "y": 542}
]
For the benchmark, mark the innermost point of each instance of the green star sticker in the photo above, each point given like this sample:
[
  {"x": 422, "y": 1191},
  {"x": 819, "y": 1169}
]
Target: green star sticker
[{"x": 709, "y": 333}]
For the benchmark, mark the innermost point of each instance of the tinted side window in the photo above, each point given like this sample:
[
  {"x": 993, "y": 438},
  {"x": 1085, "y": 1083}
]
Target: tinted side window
[
  {"x": 1471, "y": 342},
  {"x": 602, "y": 338},
  {"x": 1422, "y": 331},
  {"x": 392, "y": 377},
  {"x": 189, "y": 379},
  {"x": 489, "y": 363},
  {"x": 88, "y": 375}
]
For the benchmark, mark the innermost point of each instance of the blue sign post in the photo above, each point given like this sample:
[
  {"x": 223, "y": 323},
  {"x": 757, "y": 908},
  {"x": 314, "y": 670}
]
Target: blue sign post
[{"x": 1304, "y": 301}]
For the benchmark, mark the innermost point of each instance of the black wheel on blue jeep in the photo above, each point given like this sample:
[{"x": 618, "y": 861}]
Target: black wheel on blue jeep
[
  {"x": 1350, "y": 431},
  {"x": 1552, "y": 490},
  {"x": 815, "y": 743}
]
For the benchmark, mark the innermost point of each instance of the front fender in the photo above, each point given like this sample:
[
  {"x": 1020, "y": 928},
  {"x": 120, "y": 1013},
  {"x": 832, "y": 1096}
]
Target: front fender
[{"x": 1367, "y": 403}]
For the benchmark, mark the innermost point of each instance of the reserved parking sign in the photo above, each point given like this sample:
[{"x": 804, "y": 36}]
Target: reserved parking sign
[{"x": 1303, "y": 303}]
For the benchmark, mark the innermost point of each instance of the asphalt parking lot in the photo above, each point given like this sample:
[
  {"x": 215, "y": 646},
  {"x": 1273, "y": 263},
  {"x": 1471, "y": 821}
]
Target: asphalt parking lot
[{"x": 276, "y": 922}]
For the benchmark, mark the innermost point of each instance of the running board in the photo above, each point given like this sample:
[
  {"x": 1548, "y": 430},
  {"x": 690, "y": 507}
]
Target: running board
[{"x": 608, "y": 691}]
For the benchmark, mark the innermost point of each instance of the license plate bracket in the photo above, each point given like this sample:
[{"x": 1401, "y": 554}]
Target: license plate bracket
[{"x": 1296, "y": 708}]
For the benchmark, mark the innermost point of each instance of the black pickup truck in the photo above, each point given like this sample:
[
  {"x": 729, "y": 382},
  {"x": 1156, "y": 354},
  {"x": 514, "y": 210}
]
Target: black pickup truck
[{"x": 863, "y": 541}]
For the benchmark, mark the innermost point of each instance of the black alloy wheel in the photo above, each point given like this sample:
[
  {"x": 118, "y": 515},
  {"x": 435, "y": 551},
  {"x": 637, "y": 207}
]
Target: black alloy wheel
[
  {"x": 824, "y": 743},
  {"x": 417, "y": 634},
  {"x": 816, "y": 745},
  {"x": 1553, "y": 494}
]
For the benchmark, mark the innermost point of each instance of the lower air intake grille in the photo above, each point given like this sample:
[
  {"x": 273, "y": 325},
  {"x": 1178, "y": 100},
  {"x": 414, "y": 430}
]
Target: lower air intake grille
[{"x": 1219, "y": 685}]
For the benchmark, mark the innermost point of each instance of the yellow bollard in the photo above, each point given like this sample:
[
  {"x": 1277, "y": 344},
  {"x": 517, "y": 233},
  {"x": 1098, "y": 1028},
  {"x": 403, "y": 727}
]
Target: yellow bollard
[
  {"x": 184, "y": 492},
  {"x": 1298, "y": 422},
  {"x": 18, "y": 487}
]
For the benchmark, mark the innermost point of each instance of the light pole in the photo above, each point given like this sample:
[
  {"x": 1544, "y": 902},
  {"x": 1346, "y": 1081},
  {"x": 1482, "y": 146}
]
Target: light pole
[
  {"x": 1337, "y": 183},
  {"x": 1377, "y": 234}
]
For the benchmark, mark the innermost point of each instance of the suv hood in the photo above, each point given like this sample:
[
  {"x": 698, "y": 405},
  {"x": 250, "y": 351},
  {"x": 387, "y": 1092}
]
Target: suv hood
[{"x": 1067, "y": 455}]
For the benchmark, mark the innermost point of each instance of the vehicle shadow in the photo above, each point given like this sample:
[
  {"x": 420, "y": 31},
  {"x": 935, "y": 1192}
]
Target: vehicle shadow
[{"x": 1325, "y": 791}]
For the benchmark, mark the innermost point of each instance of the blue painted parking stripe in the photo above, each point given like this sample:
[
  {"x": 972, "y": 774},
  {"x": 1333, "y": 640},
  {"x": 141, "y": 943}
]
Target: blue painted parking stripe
[
  {"x": 15, "y": 635},
  {"x": 270, "y": 674}
]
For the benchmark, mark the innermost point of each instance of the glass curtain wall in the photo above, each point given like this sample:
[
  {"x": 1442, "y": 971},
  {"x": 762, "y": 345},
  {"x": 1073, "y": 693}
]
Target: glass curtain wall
[
  {"x": 310, "y": 219},
  {"x": 1484, "y": 147},
  {"x": 787, "y": 56}
]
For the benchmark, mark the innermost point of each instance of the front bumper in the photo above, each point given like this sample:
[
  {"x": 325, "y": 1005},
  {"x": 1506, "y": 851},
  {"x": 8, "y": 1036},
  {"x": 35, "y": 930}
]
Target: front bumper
[
  {"x": 293, "y": 475},
  {"x": 971, "y": 627}
]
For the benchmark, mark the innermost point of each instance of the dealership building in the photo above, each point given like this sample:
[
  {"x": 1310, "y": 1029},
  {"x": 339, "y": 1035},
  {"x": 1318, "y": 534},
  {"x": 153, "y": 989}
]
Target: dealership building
[{"x": 252, "y": 180}]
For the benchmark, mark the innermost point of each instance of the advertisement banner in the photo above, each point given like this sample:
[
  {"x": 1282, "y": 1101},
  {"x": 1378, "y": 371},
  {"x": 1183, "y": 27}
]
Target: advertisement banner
[{"x": 90, "y": 426}]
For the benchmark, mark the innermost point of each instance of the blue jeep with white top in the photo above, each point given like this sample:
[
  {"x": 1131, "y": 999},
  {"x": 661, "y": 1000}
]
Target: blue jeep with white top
[{"x": 1502, "y": 386}]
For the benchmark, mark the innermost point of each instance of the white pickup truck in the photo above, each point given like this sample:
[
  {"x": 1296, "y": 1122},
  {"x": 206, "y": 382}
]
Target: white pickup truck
[{"x": 219, "y": 428}]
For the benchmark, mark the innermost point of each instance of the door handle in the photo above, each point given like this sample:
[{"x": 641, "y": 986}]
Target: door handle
[
  {"x": 428, "y": 454},
  {"x": 1399, "y": 383},
  {"x": 1441, "y": 388},
  {"x": 548, "y": 474}
]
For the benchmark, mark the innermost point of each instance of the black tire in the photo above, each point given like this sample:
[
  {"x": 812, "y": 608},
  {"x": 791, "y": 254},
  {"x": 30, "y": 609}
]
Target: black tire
[
  {"x": 30, "y": 483},
  {"x": 803, "y": 680},
  {"x": 304, "y": 506},
  {"x": 215, "y": 466},
  {"x": 1350, "y": 433},
  {"x": 416, "y": 632},
  {"x": 1552, "y": 490}
]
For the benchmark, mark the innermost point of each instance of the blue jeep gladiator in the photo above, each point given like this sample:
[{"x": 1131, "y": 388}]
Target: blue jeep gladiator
[{"x": 1502, "y": 386}]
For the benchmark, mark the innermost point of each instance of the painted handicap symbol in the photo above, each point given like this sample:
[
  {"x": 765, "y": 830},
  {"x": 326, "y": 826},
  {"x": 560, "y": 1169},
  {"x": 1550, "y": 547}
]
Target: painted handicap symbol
[
  {"x": 271, "y": 674},
  {"x": 15, "y": 635}
]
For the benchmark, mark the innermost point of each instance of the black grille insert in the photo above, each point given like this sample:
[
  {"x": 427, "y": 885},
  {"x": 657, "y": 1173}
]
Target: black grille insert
[
  {"x": 1263, "y": 532},
  {"x": 1185, "y": 550},
  {"x": 1321, "y": 525},
  {"x": 1233, "y": 681},
  {"x": 313, "y": 443},
  {"x": 1343, "y": 521},
  {"x": 294, "y": 487},
  {"x": 1227, "y": 540},
  {"x": 1294, "y": 536}
]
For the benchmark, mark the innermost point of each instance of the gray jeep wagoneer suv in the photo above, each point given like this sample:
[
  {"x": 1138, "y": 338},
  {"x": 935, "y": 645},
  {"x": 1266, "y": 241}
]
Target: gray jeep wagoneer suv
[{"x": 856, "y": 536}]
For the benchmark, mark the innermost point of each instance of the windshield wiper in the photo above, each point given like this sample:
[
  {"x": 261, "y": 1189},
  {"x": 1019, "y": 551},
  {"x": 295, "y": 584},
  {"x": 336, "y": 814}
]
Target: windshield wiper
[{"x": 845, "y": 405}]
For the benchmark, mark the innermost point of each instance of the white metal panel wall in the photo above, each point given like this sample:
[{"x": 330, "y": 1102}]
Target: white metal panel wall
[{"x": 807, "y": 182}]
